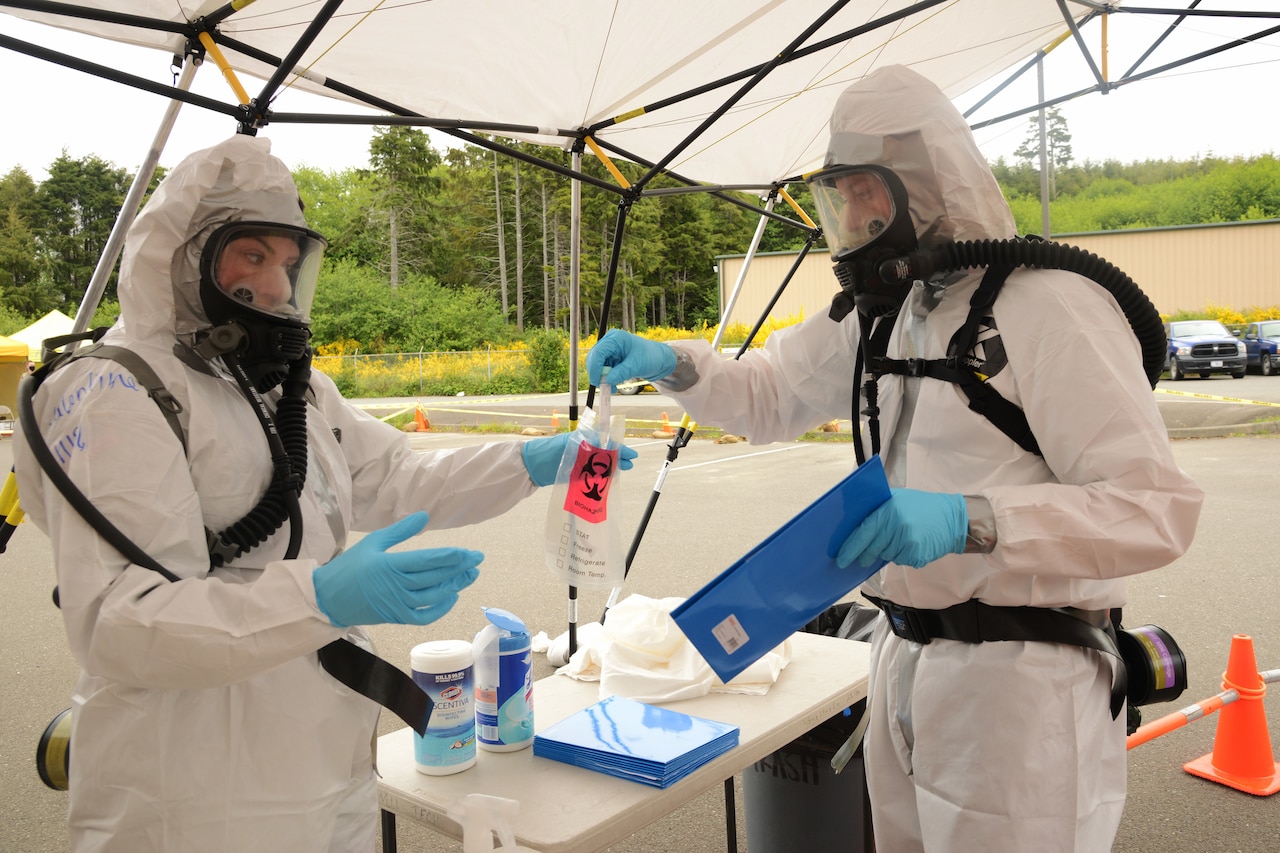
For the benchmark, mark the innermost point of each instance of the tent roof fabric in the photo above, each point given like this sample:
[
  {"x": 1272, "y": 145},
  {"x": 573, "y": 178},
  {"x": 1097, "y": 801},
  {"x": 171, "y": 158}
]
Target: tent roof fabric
[
  {"x": 544, "y": 66},
  {"x": 11, "y": 350}
]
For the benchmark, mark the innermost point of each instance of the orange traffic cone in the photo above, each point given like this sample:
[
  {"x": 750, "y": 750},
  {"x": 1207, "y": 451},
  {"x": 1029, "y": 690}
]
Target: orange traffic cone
[
  {"x": 666, "y": 425},
  {"x": 555, "y": 419},
  {"x": 420, "y": 418},
  {"x": 1241, "y": 757}
]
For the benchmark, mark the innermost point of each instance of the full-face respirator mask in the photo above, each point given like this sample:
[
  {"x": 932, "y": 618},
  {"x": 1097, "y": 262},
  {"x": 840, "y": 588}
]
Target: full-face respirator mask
[
  {"x": 866, "y": 219},
  {"x": 882, "y": 241},
  {"x": 257, "y": 284}
]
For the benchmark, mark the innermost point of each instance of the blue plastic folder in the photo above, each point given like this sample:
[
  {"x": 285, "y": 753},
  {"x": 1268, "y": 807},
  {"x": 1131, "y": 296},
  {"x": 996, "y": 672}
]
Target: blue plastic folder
[
  {"x": 785, "y": 581},
  {"x": 633, "y": 740}
]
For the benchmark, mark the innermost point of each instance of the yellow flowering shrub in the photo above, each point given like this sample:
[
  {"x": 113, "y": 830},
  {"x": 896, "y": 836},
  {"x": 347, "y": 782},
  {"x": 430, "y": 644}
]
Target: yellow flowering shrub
[{"x": 500, "y": 369}]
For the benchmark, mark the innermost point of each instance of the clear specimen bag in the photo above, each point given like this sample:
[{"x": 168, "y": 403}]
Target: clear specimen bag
[{"x": 583, "y": 543}]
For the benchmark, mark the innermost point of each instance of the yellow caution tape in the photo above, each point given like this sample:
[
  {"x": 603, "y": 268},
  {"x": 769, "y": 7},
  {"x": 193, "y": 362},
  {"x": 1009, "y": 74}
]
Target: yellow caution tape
[{"x": 1216, "y": 397}]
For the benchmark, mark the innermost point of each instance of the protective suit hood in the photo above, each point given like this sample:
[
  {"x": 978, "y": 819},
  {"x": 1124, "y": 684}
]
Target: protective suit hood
[
  {"x": 237, "y": 179},
  {"x": 896, "y": 118}
]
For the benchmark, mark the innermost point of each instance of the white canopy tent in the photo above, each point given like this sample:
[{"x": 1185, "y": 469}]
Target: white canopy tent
[
  {"x": 718, "y": 94},
  {"x": 730, "y": 93},
  {"x": 632, "y": 74},
  {"x": 50, "y": 325}
]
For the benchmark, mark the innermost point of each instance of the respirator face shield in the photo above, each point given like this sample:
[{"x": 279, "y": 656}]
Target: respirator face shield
[
  {"x": 265, "y": 267},
  {"x": 257, "y": 285},
  {"x": 866, "y": 220},
  {"x": 854, "y": 205}
]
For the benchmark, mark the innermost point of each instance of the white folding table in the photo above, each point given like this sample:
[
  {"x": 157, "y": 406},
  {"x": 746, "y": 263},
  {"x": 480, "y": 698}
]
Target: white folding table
[{"x": 567, "y": 809}]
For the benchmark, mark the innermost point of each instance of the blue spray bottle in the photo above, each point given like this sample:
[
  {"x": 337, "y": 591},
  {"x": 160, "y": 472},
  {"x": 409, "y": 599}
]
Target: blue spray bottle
[{"x": 503, "y": 683}]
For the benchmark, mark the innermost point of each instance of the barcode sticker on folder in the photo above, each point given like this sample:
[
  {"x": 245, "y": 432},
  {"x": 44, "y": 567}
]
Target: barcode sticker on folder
[{"x": 730, "y": 634}]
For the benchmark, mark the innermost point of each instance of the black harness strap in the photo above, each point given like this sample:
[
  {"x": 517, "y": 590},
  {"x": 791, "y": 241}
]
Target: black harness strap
[
  {"x": 983, "y": 399},
  {"x": 875, "y": 343},
  {"x": 169, "y": 405},
  {"x": 353, "y": 666}
]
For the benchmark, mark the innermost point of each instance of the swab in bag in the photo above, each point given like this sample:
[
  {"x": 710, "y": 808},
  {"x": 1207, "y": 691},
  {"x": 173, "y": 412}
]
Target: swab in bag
[{"x": 583, "y": 542}]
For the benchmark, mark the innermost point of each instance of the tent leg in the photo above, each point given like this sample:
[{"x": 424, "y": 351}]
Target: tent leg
[
  {"x": 132, "y": 201},
  {"x": 742, "y": 275}
]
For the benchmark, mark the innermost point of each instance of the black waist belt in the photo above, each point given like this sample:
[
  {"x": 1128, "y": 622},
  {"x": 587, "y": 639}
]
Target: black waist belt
[{"x": 975, "y": 622}]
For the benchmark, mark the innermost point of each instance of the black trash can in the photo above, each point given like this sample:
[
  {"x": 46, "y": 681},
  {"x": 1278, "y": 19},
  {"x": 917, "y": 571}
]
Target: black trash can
[{"x": 793, "y": 799}]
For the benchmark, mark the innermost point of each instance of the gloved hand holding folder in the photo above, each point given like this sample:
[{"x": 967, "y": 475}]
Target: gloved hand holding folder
[{"x": 786, "y": 580}]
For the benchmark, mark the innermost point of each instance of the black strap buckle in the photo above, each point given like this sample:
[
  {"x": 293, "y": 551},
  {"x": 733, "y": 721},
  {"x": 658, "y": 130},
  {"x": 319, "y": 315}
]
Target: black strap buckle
[{"x": 905, "y": 622}]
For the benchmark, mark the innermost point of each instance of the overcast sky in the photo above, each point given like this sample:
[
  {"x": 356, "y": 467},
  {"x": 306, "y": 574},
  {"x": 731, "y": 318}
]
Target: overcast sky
[{"x": 1223, "y": 106}]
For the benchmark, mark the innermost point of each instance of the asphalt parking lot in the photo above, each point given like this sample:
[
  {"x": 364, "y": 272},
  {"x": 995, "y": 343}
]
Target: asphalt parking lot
[{"x": 717, "y": 501}]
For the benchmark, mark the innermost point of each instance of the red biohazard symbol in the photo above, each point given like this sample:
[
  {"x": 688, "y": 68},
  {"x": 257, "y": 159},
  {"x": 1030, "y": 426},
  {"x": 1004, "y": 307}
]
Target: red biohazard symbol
[{"x": 588, "y": 496}]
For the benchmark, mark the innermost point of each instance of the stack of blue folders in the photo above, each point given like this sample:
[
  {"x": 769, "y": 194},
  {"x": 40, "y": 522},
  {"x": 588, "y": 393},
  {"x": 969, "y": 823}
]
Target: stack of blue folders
[{"x": 632, "y": 740}]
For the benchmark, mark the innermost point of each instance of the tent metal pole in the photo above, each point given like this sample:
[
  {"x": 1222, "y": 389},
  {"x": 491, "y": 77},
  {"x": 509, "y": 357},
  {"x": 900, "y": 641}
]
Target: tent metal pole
[
  {"x": 611, "y": 279},
  {"x": 1033, "y": 61},
  {"x": 777, "y": 294},
  {"x": 575, "y": 334},
  {"x": 129, "y": 210},
  {"x": 575, "y": 268},
  {"x": 764, "y": 71},
  {"x": 687, "y": 427},
  {"x": 1044, "y": 151},
  {"x": 714, "y": 191},
  {"x": 742, "y": 274},
  {"x": 105, "y": 73},
  {"x": 1103, "y": 85},
  {"x": 309, "y": 35},
  {"x": 801, "y": 53}
]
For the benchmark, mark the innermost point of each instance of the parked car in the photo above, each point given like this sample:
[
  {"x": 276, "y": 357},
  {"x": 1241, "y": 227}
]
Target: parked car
[
  {"x": 1204, "y": 347},
  {"x": 1262, "y": 346}
]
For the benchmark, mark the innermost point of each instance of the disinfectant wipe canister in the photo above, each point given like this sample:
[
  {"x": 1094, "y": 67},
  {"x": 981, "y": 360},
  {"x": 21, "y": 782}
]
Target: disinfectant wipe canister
[
  {"x": 444, "y": 669},
  {"x": 504, "y": 683}
]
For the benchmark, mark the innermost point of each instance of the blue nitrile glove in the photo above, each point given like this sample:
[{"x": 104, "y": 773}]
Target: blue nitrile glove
[
  {"x": 369, "y": 585},
  {"x": 542, "y": 457},
  {"x": 912, "y": 528},
  {"x": 629, "y": 357}
]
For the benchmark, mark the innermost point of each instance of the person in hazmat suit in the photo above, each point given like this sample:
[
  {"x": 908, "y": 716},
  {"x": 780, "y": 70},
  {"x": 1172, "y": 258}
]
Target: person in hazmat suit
[
  {"x": 999, "y": 745},
  {"x": 202, "y": 720}
]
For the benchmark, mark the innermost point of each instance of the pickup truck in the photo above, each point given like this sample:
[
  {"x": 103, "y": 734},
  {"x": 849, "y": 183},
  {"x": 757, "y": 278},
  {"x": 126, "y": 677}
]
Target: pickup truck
[
  {"x": 1262, "y": 346},
  {"x": 1204, "y": 347}
]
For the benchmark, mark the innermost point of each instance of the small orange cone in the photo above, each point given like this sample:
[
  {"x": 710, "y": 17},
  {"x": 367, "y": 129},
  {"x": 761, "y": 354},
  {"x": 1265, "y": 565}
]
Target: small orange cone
[
  {"x": 666, "y": 425},
  {"x": 555, "y": 419},
  {"x": 420, "y": 418},
  {"x": 1241, "y": 757}
]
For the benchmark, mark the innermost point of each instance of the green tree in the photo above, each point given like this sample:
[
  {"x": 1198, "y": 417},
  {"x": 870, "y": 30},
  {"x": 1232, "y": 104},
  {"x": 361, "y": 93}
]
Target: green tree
[
  {"x": 1150, "y": 194},
  {"x": 336, "y": 206},
  {"x": 464, "y": 253},
  {"x": 1057, "y": 140},
  {"x": 403, "y": 184},
  {"x": 21, "y": 286},
  {"x": 79, "y": 203},
  {"x": 12, "y": 321},
  {"x": 439, "y": 319},
  {"x": 20, "y": 216},
  {"x": 356, "y": 303}
]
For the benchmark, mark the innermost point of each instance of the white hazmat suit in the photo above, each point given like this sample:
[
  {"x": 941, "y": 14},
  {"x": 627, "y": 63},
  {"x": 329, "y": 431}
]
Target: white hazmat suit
[
  {"x": 998, "y": 746},
  {"x": 202, "y": 719}
]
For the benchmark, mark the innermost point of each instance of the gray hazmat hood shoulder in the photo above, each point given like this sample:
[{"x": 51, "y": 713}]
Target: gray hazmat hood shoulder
[
  {"x": 237, "y": 179},
  {"x": 915, "y": 130}
]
